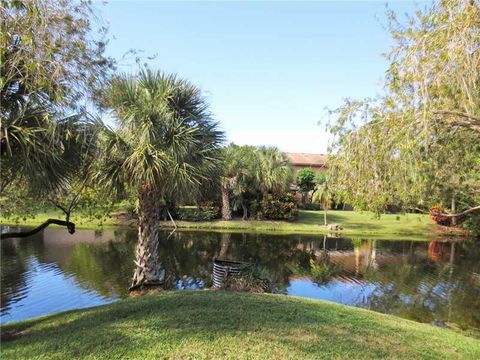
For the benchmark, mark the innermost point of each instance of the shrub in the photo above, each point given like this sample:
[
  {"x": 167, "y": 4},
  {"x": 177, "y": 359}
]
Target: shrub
[
  {"x": 473, "y": 224},
  {"x": 313, "y": 206},
  {"x": 278, "y": 207},
  {"x": 254, "y": 208},
  {"x": 202, "y": 213},
  {"x": 252, "y": 278},
  {"x": 435, "y": 215}
]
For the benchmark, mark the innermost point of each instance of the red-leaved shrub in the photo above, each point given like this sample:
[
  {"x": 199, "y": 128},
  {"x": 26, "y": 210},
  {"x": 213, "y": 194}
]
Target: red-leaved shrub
[{"x": 436, "y": 215}]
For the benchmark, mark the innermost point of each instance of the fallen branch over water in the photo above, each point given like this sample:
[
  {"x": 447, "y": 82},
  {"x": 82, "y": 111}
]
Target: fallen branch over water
[{"x": 22, "y": 234}]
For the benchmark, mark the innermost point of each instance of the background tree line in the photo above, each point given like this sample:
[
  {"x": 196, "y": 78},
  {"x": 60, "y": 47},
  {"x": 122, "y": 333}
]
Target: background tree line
[{"x": 418, "y": 145}]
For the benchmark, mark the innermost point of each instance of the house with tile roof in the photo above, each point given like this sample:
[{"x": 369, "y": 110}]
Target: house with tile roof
[
  {"x": 303, "y": 160},
  {"x": 316, "y": 162}
]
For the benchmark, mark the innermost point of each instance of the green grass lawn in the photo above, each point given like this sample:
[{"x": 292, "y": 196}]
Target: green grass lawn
[
  {"x": 226, "y": 325},
  {"x": 354, "y": 223}
]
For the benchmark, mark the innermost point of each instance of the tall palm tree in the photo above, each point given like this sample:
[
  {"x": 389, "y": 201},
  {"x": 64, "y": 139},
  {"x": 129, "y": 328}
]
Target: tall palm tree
[
  {"x": 275, "y": 173},
  {"x": 229, "y": 177},
  {"x": 165, "y": 144},
  {"x": 238, "y": 176}
]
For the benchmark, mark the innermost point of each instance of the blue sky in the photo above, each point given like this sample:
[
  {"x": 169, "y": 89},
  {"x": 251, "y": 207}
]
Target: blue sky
[{"x": 268, "y": 69}]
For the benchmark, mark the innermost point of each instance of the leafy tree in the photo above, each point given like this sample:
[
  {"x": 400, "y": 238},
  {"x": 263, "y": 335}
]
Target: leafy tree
[
  {"x": 238, "y": 175},
  {"x": 49, "y": 53},
  {"x": 165, "y": 144},
  {"x": 51, "y": 67},
  {"x": 251, "y": 172},
  {"x": 305, "y": 182},
  {"x": 274, "y": 172},
  {"x": 417, "y": 145}
]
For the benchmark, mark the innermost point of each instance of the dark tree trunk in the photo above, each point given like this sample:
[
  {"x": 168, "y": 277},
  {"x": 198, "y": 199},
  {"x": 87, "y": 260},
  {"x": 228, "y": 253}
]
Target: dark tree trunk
[
  {"x": 226, "y": 212},
  {"x": 245, "y": 211},
  {"x": 148, "y": 271}
]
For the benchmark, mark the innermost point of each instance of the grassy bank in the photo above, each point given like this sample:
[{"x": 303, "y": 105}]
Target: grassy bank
[
  {"x": 353, "y": 223},
  {"x": 217, "y": 324}
]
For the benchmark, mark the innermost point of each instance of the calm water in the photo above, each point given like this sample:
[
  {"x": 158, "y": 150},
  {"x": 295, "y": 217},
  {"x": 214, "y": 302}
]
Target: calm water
[{"x": 431, "y": 282}]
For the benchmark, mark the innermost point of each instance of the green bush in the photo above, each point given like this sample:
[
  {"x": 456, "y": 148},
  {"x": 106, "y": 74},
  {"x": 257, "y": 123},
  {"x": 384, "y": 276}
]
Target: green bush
[
  {"x": 278, "y": 207},
  {"x": 313, "y": 206},
  {"x": 473, "y": 224},
  {"x": 252, "y": 278},
  {"x": 203, "y": 213}
]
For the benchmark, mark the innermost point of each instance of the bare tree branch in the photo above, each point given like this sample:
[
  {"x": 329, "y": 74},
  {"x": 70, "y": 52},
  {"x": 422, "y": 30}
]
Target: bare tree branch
[
  {"x": 468, "y": 211},
  {"x": 458, "y": 113},
  {"x": 22, "y": 234}
]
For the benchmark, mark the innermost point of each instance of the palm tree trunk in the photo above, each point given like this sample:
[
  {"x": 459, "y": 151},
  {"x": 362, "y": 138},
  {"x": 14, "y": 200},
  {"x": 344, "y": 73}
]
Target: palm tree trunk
[
  {"x": 325, "y": 213},
  {"x": 148, "y": 271},
  {"x": 226, "y": 213},
  {"x": 245, "y": 211}
]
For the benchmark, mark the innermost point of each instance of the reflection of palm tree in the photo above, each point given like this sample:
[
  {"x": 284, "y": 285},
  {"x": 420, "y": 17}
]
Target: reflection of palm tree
[{"x": 225, "y": 242}]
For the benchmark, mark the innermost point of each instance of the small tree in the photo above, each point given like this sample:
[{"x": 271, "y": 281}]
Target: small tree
[
  {"x": 305, "y": 182},
  {"x": 323, "y": 194}
]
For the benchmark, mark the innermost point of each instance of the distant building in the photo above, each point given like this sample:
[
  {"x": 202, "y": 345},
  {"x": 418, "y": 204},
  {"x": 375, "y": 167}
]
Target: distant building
[
  {"x": 316, "y": 162},
  {"x": 302, "y": 160}
]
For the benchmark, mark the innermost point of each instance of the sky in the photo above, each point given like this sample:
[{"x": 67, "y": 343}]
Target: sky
[{"x": 268, "y": 69}]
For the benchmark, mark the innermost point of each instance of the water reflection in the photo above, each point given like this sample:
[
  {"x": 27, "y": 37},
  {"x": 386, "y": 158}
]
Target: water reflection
[{"x": 436, "y": 282}]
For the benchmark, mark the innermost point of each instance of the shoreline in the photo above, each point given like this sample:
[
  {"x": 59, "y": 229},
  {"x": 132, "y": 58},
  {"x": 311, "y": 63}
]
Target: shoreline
[{"x": 389, "y": 226}]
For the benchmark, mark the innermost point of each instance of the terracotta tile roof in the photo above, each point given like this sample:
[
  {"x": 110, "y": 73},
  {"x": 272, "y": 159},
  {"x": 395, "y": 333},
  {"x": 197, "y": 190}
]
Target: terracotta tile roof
[{"x": 303, "y": 159}]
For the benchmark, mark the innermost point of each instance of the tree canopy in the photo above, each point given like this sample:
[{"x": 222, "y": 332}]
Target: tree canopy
[
  {"x": 418, "y": 144},
  {"x": 52, "y": 65},
  {"x": 249, "y": 173}
]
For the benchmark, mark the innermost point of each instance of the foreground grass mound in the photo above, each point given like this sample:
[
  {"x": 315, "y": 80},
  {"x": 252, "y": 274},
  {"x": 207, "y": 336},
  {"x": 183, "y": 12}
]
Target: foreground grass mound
[{"x": 217, "y": 324}]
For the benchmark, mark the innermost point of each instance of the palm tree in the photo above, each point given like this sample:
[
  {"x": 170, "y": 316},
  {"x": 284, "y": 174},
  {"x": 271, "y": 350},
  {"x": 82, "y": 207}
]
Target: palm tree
[
  {"x": 229, "y": 177},
  {"x": 250, "y": 171},
  {"x": 165, "y": 145},
  {"x": 274, "y": 172},
  {"x": 238, "y": 177},
  {"x": 323, "y": 194}
]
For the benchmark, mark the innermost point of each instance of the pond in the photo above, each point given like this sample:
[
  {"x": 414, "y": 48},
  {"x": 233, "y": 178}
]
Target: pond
[{"x": 433, "y": 282}]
